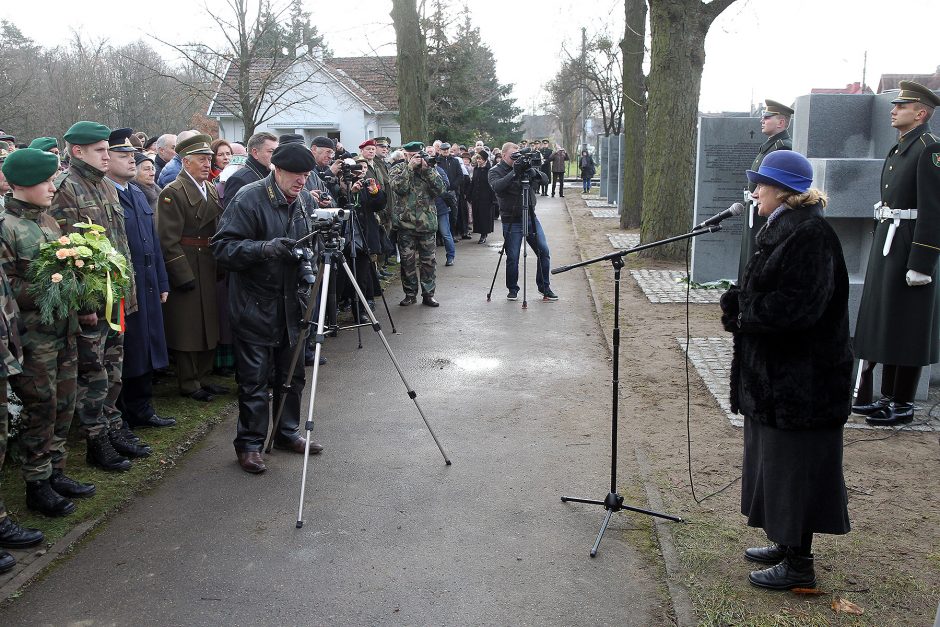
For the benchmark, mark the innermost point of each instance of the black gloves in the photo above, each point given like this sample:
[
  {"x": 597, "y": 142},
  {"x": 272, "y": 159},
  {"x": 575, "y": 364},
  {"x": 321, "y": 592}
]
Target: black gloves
[
  {"x": 188, "y": 286},
  {"x": 279, "y": 247},
  {"x": 730, "y": 307},
  {"x": 518, "y": 167}
]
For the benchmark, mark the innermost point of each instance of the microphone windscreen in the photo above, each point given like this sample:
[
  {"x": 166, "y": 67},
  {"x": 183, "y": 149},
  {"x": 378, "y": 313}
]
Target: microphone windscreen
[{"x": 737, "y": 209}]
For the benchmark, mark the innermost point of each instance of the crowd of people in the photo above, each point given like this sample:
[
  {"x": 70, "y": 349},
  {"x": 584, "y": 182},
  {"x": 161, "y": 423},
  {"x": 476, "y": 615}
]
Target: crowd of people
[{"x": 210, "y": 228}]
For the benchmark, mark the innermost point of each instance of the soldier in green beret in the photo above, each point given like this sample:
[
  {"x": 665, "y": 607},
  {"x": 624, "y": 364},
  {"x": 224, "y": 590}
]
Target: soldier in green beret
[
  {"x": 774, "y": 123},
  {"x": 84, "y": 196},
  {"x": 47, "y": 144},
  {"x": 898, "y": 322},
  {"x": 47, "y": 384}
]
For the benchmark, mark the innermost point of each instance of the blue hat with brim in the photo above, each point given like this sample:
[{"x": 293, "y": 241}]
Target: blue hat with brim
[{"x": 785, "y": 169}]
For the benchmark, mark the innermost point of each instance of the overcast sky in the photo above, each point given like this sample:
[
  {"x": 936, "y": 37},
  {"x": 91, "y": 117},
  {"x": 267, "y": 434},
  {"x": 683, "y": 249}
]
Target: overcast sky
[{"x": 756, "y": 49}]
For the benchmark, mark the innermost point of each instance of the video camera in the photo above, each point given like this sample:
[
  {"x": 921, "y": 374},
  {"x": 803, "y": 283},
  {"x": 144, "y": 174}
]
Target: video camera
[
  {"x": 528, "y": 157},
  {"x": 428, "y": 159},
  {"x": 350, "y": 170}
]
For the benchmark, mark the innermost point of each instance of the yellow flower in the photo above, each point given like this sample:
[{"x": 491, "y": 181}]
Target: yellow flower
[
  {"x": 79, "y": 263},
  {"x": 56, "y": 278},
  {"x": 64, "y": 240},
  {"x": 62, "y": 253}
]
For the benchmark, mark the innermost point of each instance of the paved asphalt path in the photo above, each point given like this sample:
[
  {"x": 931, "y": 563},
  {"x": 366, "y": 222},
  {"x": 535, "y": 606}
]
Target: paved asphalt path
[{"x": 393, "y": 536}]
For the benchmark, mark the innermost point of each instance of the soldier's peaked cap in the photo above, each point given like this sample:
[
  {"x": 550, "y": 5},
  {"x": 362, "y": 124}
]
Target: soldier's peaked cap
[
  {"x": 915, "y": 92},
  {"x": 772, "y": 107},
  {"x": 120, "y": 140},
  {"x": 84, "y": 133},
  {"x": 195, "y": 145}
]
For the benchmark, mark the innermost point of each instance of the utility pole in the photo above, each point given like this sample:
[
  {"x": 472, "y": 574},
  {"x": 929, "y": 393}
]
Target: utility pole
[
  {"x": 583, "y": 78},
  {"x": 864, "y": 70}
]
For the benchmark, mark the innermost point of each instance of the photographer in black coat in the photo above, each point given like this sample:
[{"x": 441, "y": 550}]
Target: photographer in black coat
[{"x": 268, "y": 294}]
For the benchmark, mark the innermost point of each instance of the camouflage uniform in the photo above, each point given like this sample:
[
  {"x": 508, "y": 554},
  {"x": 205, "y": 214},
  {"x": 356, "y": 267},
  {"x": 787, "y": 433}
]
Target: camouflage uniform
[
  {"x": 83, "y": 196},
  {"x": 415, "y": 218},
  {"x": 11, "y": 352},
  {"x": 47, "y": 383}
]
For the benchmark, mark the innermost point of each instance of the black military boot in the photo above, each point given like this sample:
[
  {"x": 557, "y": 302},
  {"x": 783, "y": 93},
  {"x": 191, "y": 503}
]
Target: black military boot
[
  {"x": 772, "y": 554},
  {"x": 42, "y": 498},
  {"x": 795, "y": 571},
  {"x": 894, "y": 414},
  {"x": 102, "y": 454},
  {"x": 125, "y": 446},
  {"x": 870, "y": 408},
  {"x": 7, "y": 562},
  {"x": 66, "y": 486},
  {"x": 12, "y": 536}
]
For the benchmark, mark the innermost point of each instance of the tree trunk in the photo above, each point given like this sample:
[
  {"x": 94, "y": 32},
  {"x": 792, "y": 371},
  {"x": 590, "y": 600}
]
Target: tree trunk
[
  {"x": 678, "y": 29},
  {"x": 413, "y": 91},
  {"x": 633, "y": 47}
]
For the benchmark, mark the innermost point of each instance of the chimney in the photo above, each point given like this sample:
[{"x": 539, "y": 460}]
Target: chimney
[
  {"x": 301, "y": 51},
  {"x": 317, "y": 53}
]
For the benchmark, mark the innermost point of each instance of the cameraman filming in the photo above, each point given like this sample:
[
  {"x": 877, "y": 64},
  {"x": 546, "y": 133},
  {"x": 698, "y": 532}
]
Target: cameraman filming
[
  {"x": 268, "y": 292},
  {"x": 506, "y": 180},
  {"x": 416, "y": 184}
]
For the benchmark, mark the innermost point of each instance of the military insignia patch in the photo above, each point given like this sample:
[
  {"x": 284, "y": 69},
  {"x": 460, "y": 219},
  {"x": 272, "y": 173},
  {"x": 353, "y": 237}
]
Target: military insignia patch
[
  {"x": 167, "y": 200},
  {"x": 935, "y": 157}
]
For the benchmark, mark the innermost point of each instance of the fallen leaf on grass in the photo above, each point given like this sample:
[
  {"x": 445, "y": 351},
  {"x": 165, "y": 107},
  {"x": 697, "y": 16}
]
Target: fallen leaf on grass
[
  {"x": 847, "y": 607},
  {"x": 808, "y": 591}
]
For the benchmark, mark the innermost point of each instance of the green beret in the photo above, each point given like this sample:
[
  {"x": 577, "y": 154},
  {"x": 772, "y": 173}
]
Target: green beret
[
  {"x": 28, "y": 166},
  {"x": 413, "y": 146},
  {"x": 84, "y": 133},
  {"x": 44, "y": 143},
  {"x": 195, "y": 145}
]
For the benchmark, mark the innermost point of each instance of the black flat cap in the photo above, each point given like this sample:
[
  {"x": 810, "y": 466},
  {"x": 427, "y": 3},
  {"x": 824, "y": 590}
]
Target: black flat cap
[
  {"x": 323, "y": 142},
  {"x": 290, "y": 138},
  {"x": 293, "y": 157}
]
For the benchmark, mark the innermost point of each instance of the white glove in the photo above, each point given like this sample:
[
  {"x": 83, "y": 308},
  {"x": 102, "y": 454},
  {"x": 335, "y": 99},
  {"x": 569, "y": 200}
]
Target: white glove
[{"x": 915, "y": 278}]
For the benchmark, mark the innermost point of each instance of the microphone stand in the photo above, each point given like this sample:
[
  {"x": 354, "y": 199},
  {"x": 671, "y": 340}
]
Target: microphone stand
[{"x": 613, "y": 502}]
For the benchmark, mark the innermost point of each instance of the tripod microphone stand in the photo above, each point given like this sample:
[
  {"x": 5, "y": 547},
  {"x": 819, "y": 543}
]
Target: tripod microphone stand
[
  {"x": 613, "y": 502},
  {"x": 331, "y": 255}
]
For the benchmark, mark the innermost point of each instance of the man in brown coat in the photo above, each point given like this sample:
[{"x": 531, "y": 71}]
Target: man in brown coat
[{"x": 189, "y": 211}]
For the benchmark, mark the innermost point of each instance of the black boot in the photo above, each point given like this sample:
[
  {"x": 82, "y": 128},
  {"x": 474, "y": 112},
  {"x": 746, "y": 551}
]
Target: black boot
[
  {"x": 894, "y": 414},
  {"x": 772, "y": 554},
  {"x": 125, "y": 446},
  {"x": 12, "y": 536},
  {"x": 42, "y": 498},
  {"x": 870, "y": 408},
  {"x": 795, "y": 571},
  {"x": 66, "y": 486},
  {"x": 102, "y": 454},
  {"x": 7, "y": 562}
]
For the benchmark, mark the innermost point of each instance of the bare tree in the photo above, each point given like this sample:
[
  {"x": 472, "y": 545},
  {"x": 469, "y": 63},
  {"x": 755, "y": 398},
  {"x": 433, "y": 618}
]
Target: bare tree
[
  {"x": 678, "y": 29},
  {"x": 633, "y": 49},
  {"x": 600, "y": 71},
  {"x": 412, "y": 71},
  {"x": 565, "y": 102}
]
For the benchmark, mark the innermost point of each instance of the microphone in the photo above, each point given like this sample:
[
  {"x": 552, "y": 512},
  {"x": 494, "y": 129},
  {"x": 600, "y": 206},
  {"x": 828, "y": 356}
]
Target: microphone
[{"x": 734, "y": 210}]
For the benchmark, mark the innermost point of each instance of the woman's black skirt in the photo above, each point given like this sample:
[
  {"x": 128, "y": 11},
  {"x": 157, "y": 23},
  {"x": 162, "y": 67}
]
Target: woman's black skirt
[{"x": 792, "y": 483}]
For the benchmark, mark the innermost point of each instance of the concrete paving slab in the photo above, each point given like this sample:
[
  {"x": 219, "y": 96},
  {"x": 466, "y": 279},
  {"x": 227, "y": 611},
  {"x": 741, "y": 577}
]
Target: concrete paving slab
[{"x": 393, "y": 536}]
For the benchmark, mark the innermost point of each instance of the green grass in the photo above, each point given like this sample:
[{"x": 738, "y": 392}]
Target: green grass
[{"x": 114, "y": 488}]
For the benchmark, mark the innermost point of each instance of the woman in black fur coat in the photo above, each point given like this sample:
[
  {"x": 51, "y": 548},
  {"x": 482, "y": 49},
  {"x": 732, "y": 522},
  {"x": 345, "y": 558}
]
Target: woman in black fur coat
[{"x": 791, "y": 373}]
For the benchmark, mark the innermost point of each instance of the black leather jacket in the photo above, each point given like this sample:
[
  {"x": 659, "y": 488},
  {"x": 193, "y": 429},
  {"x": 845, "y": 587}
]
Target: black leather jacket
[
  {"x": 508, "y": 189},
  {"x": 265, "y": 295}
]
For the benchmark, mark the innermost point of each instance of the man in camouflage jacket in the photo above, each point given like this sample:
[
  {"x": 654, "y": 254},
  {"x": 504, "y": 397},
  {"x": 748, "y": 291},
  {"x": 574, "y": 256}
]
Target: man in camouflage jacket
[{"x": 416, "y": 184}]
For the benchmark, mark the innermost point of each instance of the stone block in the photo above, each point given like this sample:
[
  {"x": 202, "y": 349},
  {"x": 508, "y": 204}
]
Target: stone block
[
  {"x": 603, "y": 144},
  {"x": 833, "y": 125},
  {"x": 851, "y": 184}
]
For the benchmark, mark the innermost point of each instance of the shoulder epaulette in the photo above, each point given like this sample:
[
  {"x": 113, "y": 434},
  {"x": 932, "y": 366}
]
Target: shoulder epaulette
[
  {"x": 929, "y": 138},
  {"x": 59, "y": 179}
]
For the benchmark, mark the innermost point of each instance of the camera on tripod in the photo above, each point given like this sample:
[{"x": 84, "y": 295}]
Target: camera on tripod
[
  {"x": 527, "y": 157},
  {"x": 350, "y": 170}
]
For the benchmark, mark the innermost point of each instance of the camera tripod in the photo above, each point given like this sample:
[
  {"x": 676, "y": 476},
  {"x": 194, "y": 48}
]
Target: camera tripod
[
  {"x": 331, "y": 255},
  {"x": 526, "y": 208},
  {"x": 613, "y": 502}
]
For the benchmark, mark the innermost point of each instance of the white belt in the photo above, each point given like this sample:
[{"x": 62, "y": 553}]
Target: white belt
[{"x": 883, "y": 212}]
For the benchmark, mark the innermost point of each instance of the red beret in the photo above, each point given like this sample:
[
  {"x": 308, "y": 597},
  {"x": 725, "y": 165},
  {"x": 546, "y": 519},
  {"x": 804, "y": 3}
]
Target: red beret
[{"x": 368, "y": 142}]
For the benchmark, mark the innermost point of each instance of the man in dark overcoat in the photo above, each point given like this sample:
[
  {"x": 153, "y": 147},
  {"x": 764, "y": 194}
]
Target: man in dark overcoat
[
  {"x": 144, "y": 342},
  {"x": 774, "y": 123},
  {"x": 267, "y": 300},
  {"x": 898, "y": 324},
  {"x": 260, "y": 148},
  {"x": 188, "y": 215}
]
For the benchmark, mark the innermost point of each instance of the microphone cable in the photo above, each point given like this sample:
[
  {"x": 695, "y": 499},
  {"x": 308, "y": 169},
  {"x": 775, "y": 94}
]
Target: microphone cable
[{"x": 688, "y": 382}]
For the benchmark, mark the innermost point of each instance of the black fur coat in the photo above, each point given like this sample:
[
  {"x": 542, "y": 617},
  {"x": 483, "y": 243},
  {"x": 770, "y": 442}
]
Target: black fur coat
[{"x": 792, "y": 364}]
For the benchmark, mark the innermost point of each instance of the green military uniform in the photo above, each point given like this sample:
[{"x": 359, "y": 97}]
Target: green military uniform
[
  {"x": 84, "y": 196},
  {"x": 415, "y": 219},
  {"x": 11, "y": 352},
  {"x": 190, "y": 316},
  {"x": 47, "y": 385},
  {"x": 752, "y": 221}
]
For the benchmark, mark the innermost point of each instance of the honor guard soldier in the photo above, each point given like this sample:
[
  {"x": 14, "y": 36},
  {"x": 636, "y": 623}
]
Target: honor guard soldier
[
  {"x": 899, "y": 314},
  {"x": 82, "y": 195},
  {"x": 774, "y": 124},
  {"x": 47, "y": 383}
]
